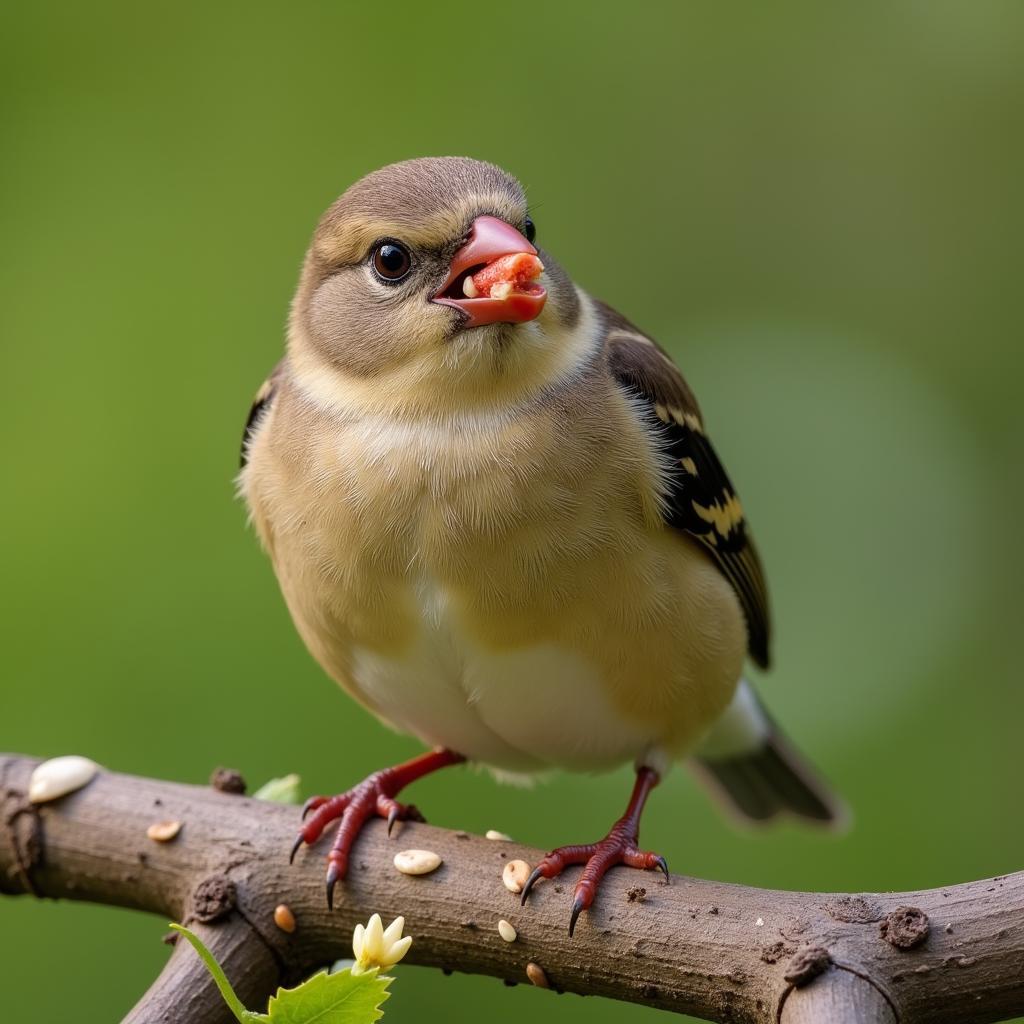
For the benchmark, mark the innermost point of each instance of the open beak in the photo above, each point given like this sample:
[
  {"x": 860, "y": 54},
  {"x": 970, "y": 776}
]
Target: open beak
[{"x": 492, "y": 278}]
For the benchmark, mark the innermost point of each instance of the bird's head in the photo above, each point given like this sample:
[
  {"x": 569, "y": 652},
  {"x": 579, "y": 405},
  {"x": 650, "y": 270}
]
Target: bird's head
[{"x": 423, "y": 288}]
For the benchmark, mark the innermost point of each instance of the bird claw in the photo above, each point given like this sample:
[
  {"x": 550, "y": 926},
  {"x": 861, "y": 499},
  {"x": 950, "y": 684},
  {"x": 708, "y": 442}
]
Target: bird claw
[
  {"x": 332, "y": 880},
  {"x": 314, "y": 803},
  {"x": 596, "y": 858},
  {"x": 530, "y": 882},
  {"x": 662, "y": 865},
  {"x": 578, "y": 907},
  {"x": 372, "y": 797}
]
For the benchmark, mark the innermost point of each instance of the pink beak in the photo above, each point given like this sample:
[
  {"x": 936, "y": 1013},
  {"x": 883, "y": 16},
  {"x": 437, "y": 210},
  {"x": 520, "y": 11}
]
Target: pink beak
[{"x": 489, "y": 240}]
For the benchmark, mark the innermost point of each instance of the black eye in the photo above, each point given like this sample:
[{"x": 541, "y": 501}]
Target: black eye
[
  {"x": 531, "y": 229},
  {"x": 391, "y": 261}
]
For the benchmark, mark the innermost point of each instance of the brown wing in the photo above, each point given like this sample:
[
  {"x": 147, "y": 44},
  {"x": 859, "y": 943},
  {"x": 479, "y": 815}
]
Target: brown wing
[
  {"x": 701, "y": 499},
  {"x": 260, "y": 404}
]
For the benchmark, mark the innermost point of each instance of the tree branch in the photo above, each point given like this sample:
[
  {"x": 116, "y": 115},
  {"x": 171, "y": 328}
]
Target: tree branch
[{"x": 723, "y": 952}]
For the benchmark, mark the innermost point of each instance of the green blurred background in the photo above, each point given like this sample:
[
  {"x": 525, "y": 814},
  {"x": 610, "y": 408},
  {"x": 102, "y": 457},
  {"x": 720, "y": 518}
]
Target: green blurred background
[{"x": 817, "y": 207}]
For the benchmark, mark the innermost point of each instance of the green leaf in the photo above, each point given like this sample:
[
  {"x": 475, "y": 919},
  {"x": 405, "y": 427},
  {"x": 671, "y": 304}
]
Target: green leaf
[
  {"x": 281, "y": 791},
  {"x": 343, "y": 998},
  {"x": 243, "y": 1015}
]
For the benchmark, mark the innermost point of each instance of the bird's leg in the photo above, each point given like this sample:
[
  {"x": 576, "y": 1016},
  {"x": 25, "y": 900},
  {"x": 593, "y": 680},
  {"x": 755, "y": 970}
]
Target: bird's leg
[
  {"x": 618, "y": 847},
  {"x": 374, "y": 796}
]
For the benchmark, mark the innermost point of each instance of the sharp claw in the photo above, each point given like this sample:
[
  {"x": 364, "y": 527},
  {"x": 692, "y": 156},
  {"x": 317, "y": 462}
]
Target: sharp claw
[
  {"x": 577, "y": 908},
  {"x": 392, "y": 818},
  {"x": 662, "y": 866},
  {"x": 332, "y": 878},
  {"x": 534, "y": 875},
  {"x": 295, "y": 848}
]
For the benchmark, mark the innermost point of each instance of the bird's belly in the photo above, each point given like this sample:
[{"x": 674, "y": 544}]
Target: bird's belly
[{"x": 521, "y": 709}]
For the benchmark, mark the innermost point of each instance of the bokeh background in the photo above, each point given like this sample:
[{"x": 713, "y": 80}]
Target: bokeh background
[{"x": 816, "y": 207}]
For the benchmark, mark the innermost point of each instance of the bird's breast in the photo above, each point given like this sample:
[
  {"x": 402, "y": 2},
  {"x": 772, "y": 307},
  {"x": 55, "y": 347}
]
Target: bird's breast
[{"x": 502, "y": 585}]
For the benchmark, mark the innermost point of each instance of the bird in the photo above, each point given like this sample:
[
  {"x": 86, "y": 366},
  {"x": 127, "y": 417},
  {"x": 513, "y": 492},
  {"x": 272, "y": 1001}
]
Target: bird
[{"x": 498, "y": 522}]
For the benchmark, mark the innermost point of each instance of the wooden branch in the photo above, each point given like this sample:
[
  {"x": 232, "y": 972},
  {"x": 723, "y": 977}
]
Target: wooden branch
[{"x": 723, "y": 952}]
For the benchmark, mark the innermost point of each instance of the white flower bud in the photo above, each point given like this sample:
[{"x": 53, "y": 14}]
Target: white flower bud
[{"x": 375, "y": 946}]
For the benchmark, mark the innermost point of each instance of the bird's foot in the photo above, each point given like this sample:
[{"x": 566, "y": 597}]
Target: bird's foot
[
  {"x": 373, "y": 797},
  {"x": 618, "y": 847}
]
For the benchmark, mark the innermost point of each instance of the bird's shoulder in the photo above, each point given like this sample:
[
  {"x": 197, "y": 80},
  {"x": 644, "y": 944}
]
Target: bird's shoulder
[
  {"x": 261, "y": 403},
  {"x": 700, "y": 499}
]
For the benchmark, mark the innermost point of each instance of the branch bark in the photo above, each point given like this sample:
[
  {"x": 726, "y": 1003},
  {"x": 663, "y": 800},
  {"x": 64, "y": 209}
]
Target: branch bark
[{"x": 722, "y": 952}]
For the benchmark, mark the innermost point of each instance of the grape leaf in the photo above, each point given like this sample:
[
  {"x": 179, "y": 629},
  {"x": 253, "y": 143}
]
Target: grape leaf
[{"x": 343, "y": 998}]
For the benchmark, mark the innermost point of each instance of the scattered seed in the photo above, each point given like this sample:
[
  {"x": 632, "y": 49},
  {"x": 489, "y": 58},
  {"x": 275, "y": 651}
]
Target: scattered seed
[
  {"x": 515, "y": 875},
  {"x": 759, "y": 922},
  {"x": 60, "y": 776},
  {"x": 417, "y": 862},
  {"x": 284, "y": 918},
  {"x": 163, "y": 831},
  {"x": 499, "y": 836},
  {"x": 536, "y": 974},
  {"x": 506, "y": 931}
]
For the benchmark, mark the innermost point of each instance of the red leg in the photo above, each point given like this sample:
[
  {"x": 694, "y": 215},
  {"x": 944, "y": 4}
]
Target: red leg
[
  {"x": 374, "y": 796},
  {"x": 618, "y": 847}
]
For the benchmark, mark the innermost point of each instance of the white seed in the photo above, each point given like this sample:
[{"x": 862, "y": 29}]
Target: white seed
[
  {"x": 469, "y": 289},
  {"x": 515, "y": 874},
  {"x": 759, "y": 923},
  {"x": 163, "y": 831},
  {"x": 60, "y": 776},
  {"x": 502, "y": 290},
  {"x": 506, "y": 931},
  {"x": 500, "y": 836},
  {"x": 417, "y": 862}
]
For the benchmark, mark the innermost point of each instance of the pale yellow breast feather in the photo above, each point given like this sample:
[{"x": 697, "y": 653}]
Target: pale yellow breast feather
[{"x": 539, "y": 524}]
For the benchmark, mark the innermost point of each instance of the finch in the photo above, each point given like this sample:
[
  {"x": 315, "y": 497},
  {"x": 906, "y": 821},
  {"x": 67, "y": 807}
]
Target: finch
[{"x": 498, "y": 522}]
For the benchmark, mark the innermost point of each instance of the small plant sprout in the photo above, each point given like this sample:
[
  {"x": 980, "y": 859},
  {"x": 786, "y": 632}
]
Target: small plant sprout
[
  {"x": 378, "y": 947},
  {"x": 344, "y": 997}
]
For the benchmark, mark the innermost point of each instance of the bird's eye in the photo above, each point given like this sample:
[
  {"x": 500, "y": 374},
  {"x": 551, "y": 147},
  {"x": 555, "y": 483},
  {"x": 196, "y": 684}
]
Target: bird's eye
[
  {"x": 391, "y": 261},
  {"x": 531, "y": 229}
]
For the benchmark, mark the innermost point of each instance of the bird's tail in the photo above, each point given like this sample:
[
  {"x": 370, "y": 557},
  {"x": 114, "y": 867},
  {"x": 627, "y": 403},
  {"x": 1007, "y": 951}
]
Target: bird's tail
[{"x": 747, "y": 762}]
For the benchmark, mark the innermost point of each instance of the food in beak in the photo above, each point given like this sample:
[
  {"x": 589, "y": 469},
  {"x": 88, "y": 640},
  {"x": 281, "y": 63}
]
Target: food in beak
[
  {"x": 515, "y": 272},
  {"x": 493, "y": 277}
]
